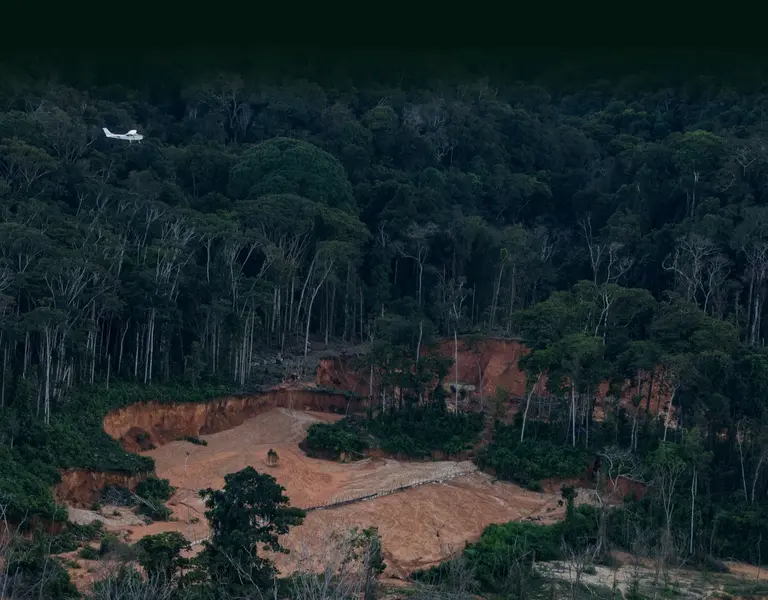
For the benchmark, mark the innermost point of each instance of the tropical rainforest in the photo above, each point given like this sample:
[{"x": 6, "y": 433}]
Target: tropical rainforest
[{"x": 617, "y": 226}]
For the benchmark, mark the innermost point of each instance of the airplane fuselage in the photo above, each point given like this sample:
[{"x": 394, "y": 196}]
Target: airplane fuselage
[{"x": 130, "y": 137}]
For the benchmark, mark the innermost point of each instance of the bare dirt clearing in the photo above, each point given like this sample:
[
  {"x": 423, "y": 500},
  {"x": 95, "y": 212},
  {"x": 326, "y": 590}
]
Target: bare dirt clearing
[
  {"x": 419, "y": 526},
  {"x": 422, "y": 526}
]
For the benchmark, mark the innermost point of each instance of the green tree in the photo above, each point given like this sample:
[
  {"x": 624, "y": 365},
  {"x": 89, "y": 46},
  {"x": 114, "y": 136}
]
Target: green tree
[
  {"x": 250, "y": 511},
  {"x": 287, "y": 166},
  {"x": 160, "y": 555}
]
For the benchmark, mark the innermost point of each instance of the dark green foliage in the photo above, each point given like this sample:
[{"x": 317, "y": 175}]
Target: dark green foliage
[
  {"x": 153, "y": 494},
  {"x": 250, "y": 512},
  {"x": 195, "y": 440},
  {"x": 415, "y": 433},
  {"x": 500, "y": 547},
  {"x": 75, "y": 439},
  {"x": 118, "y": 496},
  {"x": 36, "y": 572},
  {"x": 161, "y": 554},
  {"x": 25, "y": 485},
  {"x": 126, "y": 580},
  {"x": 614, "y": 226},
  {"x": 89, "y": 553},
  {"x": 73, "y": 535},
  {"x": 532, "y": 460},
  {"x": 330, "y": 440},
  {"x": 112, "y": 546}
]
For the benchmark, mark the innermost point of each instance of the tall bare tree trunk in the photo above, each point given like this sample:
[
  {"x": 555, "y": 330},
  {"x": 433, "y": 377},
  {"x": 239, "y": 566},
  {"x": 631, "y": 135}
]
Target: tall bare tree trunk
[
  {"x": 2, "y": 385},
  {"x": 495, "y": 301},
  {"x": 757, "y": 475},
  {"x": 418, "y": 343},
  {"x": 309, "y": 310},
  {"x": 694, "y": 485},
  {"x": 573, "y": 415},
  {"x": 48, "y": 358},
  {"x": 527, "y": 406},
  {"x": 668, "y": 415},
  {"x": 456, "y": 367}
]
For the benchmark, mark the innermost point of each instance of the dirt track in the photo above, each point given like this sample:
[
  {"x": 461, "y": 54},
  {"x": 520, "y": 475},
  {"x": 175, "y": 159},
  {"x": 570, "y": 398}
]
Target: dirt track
[{"x": 419, "y": 527}]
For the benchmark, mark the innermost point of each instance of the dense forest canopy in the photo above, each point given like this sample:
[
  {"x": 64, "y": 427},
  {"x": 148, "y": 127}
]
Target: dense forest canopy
[{"x": 615, "y": 224}]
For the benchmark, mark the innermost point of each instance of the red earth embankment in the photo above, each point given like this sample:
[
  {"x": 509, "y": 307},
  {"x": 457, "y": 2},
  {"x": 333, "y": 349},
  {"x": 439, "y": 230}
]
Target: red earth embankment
[
  {"x": 81, "y": 488},
  {"x": 494, "y": 359},
  {"x": 146, "y": 425},
  {"x": 493, "y": 362},
  {"x": 141, "y": 426}
]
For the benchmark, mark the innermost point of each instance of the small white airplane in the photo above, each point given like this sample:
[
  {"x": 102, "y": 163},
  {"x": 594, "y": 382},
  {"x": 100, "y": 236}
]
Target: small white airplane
[{"x": 131, "y": 136}]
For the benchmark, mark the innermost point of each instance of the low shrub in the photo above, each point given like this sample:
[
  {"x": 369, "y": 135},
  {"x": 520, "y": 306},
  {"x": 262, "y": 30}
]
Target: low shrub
[
  {"x": 117, "y": 495},
  {"x": 195, "y": 440},
  {"x": 89, "y": 553},
  {"x": 503, "y": 547},
  {"x": 331, "y": 440},
  {"x": 73, "y": 535},
  {"x": 154, "y": 493},
  {"x": 35, "y": 574},
  {"x": 532, "y": 460},
  {"x": 113, "y": 547},
  {"x": 417, "y": 432}
]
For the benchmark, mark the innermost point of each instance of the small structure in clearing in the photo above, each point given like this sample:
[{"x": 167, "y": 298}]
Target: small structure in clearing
[{"x": 271, "y": 458}]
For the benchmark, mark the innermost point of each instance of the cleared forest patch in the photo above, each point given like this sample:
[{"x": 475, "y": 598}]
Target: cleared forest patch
[{"x": 419, "y": 526}]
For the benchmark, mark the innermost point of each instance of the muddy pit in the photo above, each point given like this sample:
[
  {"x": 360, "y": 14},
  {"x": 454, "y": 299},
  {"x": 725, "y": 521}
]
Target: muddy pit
[{"x": 419, "y": 527}]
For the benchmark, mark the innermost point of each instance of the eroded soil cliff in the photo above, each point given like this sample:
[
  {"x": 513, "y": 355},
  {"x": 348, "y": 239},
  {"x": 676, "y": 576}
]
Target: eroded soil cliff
[
  {"x": 492, "y": 364},
  {"x": 151, "y": 424},
  {"x": 81, "y": 489},
  {"x": 147, "y": 425}
]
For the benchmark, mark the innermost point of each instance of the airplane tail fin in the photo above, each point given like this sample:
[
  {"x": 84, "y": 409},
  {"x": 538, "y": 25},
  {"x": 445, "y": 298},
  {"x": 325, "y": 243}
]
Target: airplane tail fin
[{"x": 106, "y": 131}]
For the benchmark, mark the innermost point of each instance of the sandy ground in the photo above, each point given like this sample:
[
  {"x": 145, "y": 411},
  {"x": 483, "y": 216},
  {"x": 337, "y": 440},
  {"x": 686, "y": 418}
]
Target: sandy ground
[
  {"x": 422, "y": 526},
  {"x": 419, "y": 527}
]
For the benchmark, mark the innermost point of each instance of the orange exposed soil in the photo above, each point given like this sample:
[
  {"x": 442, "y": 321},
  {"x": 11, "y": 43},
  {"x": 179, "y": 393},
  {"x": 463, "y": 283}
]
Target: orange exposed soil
[
  {"x": 82, "y": 488},
  {"x": 335, "y": 373},
  {"x": 494, "y": 361},
  {"x": 419, "y": 526},
  {"x": 164, "y": 423},
  {"x": 422, "y": 526},
  {"x": 151, "y": 424}
]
